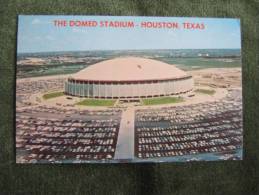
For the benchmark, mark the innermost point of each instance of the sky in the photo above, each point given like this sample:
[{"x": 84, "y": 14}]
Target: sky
[{"x": 38, "y": 33}]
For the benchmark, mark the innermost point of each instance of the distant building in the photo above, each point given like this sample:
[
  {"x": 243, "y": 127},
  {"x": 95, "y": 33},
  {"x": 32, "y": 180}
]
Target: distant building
[{"x": 129, "y": 77}]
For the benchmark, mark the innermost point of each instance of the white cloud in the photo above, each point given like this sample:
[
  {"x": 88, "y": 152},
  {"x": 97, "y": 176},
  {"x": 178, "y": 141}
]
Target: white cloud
[
  {"x": 37, "y": 38},
  {"x": 50, "y": 38},
  {"x": 235, "y": 34},
  {"x": 172, "y": 33},
  {"x": 36, "y": 21},
  {"x": 79, "y": 30}
]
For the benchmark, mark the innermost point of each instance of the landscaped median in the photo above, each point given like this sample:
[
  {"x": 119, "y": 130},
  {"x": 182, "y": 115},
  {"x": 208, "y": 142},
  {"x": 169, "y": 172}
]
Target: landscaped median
[
  {"x": 162, "y": 100},
  {"x": 53, "y": 95},
  {"x": 96, "y": 102},
  {"x": 205, "y": 91}
]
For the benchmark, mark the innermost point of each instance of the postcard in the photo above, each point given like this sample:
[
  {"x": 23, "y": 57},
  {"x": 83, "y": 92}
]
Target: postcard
[{"x": 128, "y": 89}]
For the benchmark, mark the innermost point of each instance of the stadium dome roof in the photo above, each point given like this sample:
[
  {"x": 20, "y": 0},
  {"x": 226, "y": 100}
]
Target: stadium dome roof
[{"x": 129, "y": 69}]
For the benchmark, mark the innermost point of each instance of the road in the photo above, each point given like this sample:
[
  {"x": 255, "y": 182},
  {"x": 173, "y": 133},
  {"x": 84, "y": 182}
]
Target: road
[{"x": 125, "y": 143}]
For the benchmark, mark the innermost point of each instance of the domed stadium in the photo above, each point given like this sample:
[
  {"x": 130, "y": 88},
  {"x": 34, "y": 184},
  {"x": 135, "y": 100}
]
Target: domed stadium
[{"x": 129, "y": 77}]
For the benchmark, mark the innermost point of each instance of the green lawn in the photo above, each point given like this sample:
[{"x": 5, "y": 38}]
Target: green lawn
[
  {"x": 162, "y": 100},
  {"x": 53, "y": 95},
  {"x": 96, "y": 102},
  {"x": 205, "y": 91}
]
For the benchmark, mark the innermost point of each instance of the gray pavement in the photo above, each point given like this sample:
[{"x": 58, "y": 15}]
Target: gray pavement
[{"x": 125, "y": 143}]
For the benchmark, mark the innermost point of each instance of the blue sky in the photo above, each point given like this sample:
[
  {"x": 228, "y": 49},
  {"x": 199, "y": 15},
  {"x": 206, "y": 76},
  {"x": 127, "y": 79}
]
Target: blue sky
[{"x": 38, "y": 34}]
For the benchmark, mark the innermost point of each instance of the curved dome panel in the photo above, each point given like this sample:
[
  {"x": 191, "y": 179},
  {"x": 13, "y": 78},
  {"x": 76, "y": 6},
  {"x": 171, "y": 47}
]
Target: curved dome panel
[{"x": 129, "y": 69}]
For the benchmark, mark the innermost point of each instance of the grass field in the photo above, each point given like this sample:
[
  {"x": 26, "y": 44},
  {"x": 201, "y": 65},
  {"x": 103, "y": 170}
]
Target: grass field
[
  {"x": 53, "y": 95},
  {"x": 96, "y": 102},
  {"x": 162, "y": 100},
  {"x": 205, "y": 91}
]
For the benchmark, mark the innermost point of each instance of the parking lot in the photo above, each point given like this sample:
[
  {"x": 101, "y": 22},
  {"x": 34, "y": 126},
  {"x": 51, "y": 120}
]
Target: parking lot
[{"x": 193, "y": 129}]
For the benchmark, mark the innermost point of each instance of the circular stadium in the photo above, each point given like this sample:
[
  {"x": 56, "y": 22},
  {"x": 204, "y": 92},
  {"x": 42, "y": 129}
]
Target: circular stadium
[{"x": 129, "y": 77}]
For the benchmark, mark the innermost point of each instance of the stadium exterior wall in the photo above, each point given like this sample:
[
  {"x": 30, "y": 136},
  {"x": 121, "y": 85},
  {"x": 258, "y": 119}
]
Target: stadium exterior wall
[{"x": 128, "y": 89}]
